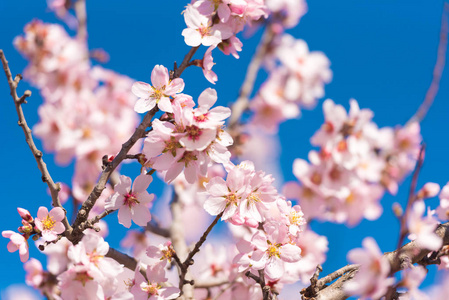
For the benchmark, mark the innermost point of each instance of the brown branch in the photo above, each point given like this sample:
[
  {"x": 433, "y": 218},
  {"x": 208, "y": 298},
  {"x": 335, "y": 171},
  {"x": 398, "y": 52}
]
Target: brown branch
[
  {"x": 155, "y": 228},
  {"x": 331, "y": 277},
  {"x": 104, "y": 177},
  {"x": 177, "y": 71},
  {"x": 81, "y": 15},
  {"x": 211, "y": 283},
  {"x": 122, "y": 258},
  {"x": 437, "y": 70},
  {"x": 403, "y": 231},
  {"x": 176, "y": 232},
  {"x": 139, "y": 133},
  {"x": 91, "y": 222},
  {"x": 410, "y": 253},
  {"x": 18, "y": 101},
  {"x": 242, "y": 102},
  {"x": 266, "y": 291}
]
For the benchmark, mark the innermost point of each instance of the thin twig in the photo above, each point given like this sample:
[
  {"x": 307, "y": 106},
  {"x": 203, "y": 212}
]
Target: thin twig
[
  {"x": 122, "y": 258},
  {"x": 104, "y": 177},
  {"x": 437, "y": 70},
  {"x": 411, "y": 253},
  {"x": 81, "y": 15},
  {"x": 177, "y": 71},
  {"x": 334, "y": 275},
  {"x": 211, "y": 283},
  {"x": 155, "y": 228},
  {"x": 242, "y": 102},
  {"x": 198, "y": 244},
  {"x": 403, "y": 231},
  {"x": 18, "y": 101}
]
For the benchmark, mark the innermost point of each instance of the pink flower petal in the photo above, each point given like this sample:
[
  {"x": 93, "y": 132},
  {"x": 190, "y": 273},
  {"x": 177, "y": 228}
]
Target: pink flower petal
[
  {"x": 141, "y": 183},
  {"x": 159, "y": 77},
  {"x": 165, "y": 105},
  {"x": 141, "y": 215},
  {"x": 124, "y": 216},
  {"x": 141, "y": 89},
  {"x": 57, "y": 214},
  {"x": 42, "y": 212},
  {"x": 215, "y": 205},
  {"x": 144, "y": 105}
]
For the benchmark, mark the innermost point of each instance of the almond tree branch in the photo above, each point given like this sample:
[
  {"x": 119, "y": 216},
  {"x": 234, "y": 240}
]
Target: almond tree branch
[
  {"x": 122, "y": 258},
  {"x": 403, "y": 231},
  {"x": 18, "y": 101},
  {"x": 242, "y": 102},
  {"x": 410, "y": 253},
  {"x": 177, "y": 71},
  {"x": 139, "y": 133},
  {"x": 104, "y": 177},
  {"x": 437, "y": 71},
  {"x": 180, "y": 245},
  {"x": 80, "y": 11}
]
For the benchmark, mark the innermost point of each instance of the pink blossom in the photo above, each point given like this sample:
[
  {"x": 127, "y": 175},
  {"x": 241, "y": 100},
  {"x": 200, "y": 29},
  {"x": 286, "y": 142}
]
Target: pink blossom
[
  {"x": 443, "y": 209},
  {"x": 429, "y": 190},
  {"x": 411, "y": 279},
  {"x": 18, "y": 242},
  {"x": 25, "y": 214},
  {"x": 132, "y": 203},
  {"x": 231, "y": 46},
  {"x": 49, "y": 223},
  {"x": 35, "y": 273},
  {"x": 225, "y": 196},
  {"x": 201, "y": 30},
  {"x": 152, "y": 289},
  {"x": 422, "y": 228},
  {"x": 371, "y": 281},
  {"x": 208, "y": 63},
  {"x": 81, "y": 282},
  {"x": 163, "y": 252},
  {"x": 158, "y": 93},
  {"x": 273, "y": 250}
]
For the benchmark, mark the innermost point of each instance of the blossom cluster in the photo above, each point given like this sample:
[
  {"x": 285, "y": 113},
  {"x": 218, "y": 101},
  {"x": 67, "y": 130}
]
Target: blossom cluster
[
  {"x": 84, "y": 271},
  {"x": 47, "y": 225},
  {"x": 87, "y": 110},
  {"x": 188, "y": 139},
  {"x": 296, "y": 81},
  {"x": 355, "y": 164}
]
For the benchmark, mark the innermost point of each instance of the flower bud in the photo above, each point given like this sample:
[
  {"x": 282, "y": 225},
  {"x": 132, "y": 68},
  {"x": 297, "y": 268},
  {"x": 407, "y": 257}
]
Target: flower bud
[
  {"x": 429, "y": 190},
  {"x": 25, "y": 214}
]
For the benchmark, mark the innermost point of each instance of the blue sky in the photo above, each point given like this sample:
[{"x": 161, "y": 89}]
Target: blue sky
[{"x": 382, "y": 53}]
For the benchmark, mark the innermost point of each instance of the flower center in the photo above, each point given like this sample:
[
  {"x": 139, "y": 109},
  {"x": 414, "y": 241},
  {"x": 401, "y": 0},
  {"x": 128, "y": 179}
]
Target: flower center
[
  {"x": 231, "y": 199},
  {"x": 168, "y": 253},
  {"x": 201, "y": 118},
  {"x": 131, "y": 199},
  {"x": 187, "y": 158},
  {"x": 193, "y": 132},
  {"x": 253, "y": 198},
  {"x": 204, "y": 31},
  {"x": 48, "y": 223},
  {"x": 157, "y": 94},
  {"x": 273, "y": 250},
  {"x": 171, "y": 145},
  {"x": 83, "y": 277},
  {"x": 150, "y": 288},
  {"x": 296, "y": 218}
]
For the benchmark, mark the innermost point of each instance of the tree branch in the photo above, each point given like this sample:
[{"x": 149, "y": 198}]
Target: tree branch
[
  {"x": 42, "y": 166},
  {"x": 81, "y": 15},
  {"x": 104, "y": 177},
  {"x": 437, "y": 70},
  {"x": 242, "y": 102},
  {"x": 122, "y": 258},
  {"x": 410, "y": 253}
]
